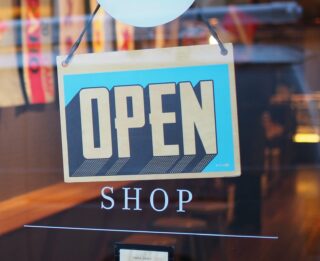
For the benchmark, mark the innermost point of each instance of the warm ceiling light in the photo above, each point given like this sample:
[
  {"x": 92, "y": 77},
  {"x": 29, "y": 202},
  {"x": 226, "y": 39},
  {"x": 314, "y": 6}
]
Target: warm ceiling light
[{"x": 306, "y": 138}]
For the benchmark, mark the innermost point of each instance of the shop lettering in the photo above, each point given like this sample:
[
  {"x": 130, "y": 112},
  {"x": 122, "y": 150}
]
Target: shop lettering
[
  {"x": 132, "y": 199},
  {"x": 128, "y": 108}
]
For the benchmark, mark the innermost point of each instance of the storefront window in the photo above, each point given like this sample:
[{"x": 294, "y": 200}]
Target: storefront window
[{"x": 270, "y": 212}]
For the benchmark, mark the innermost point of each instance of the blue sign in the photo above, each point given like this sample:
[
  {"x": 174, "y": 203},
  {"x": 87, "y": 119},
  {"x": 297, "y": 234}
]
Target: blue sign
[{"x": 149, "y": 120}]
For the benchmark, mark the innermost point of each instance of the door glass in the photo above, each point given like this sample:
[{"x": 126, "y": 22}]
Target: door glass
[{"x": 270, "y": 212}]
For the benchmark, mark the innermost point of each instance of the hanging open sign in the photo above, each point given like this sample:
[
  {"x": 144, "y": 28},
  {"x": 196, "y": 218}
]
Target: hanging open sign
[{"x": 150, "y": 114}]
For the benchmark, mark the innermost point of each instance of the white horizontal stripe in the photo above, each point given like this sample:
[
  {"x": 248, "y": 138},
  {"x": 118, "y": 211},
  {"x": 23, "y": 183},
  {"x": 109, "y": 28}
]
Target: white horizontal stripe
[{"x": 150, "y": 232}]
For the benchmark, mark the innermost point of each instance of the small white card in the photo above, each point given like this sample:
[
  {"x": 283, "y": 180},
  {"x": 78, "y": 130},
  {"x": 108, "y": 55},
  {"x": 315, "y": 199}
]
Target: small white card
[{"x": 143, "y": 255}]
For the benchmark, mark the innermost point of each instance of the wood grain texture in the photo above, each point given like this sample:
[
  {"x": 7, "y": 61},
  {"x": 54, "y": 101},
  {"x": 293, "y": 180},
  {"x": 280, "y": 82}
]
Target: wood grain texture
[{"x": 41, "y": 203}]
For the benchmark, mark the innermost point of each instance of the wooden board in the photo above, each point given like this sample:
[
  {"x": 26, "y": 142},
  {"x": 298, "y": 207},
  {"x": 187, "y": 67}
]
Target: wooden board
[{"x": 27, "y": 208}]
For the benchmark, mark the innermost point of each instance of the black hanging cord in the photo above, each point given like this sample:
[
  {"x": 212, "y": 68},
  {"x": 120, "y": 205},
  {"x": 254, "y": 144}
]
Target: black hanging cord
[
  {"x": 77, "y": 43},
  {"x": 213, "y": 32},
  {"x": 75, "y": 46}
]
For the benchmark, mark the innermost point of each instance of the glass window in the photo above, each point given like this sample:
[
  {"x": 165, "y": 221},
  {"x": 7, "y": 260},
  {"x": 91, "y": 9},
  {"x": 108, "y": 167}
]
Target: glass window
[{"x": 270, "y": 212}]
